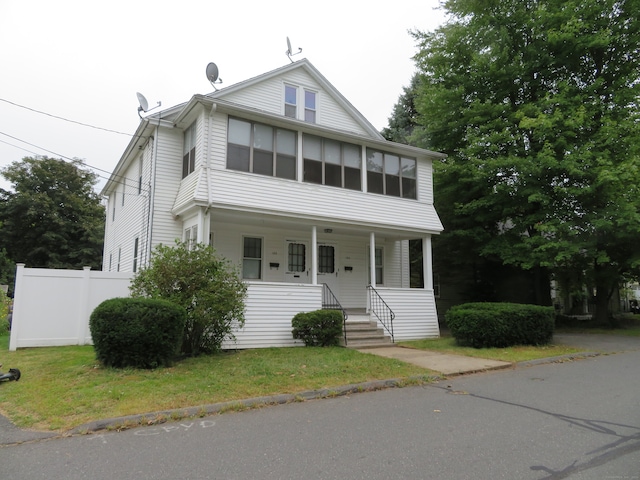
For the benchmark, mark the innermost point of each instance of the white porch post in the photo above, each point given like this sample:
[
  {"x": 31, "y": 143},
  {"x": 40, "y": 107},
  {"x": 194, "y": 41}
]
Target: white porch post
[
  {"x": 314, "y": 255},
  {"x": 372, "y": 258},
  {"x": 427, "y": 263}
]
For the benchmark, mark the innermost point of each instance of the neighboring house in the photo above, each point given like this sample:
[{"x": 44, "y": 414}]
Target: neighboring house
[{"x": 284, "y": 177}]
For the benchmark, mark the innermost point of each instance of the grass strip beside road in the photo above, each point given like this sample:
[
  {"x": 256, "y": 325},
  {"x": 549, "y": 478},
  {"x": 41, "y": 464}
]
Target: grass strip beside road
[
  {"x": 515, "y": 354},
  {"x": 64, "y": 387}
]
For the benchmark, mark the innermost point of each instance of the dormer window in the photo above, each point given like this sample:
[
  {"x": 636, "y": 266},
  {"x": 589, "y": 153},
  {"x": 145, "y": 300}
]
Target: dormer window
[{"x": 294, "y": 96}]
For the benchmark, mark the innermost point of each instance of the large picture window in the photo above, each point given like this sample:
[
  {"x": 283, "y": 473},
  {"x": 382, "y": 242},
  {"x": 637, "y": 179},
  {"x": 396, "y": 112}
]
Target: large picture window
[
  {"x": 329, "y": 162},
  {"x": 258, "y": 148},
  {"x": 390, "y": 174}
]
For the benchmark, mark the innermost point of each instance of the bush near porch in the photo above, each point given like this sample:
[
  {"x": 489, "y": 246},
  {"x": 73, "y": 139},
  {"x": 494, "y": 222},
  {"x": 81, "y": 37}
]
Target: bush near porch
[
  {"x": 486, "y": 325},
  {"x": 320, "y": 328}
]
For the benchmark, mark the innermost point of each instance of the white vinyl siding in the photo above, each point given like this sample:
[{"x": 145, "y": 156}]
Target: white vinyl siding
[{"x": 269, "y": 96}]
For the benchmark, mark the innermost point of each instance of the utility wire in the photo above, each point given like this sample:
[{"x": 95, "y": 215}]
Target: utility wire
[
  {"x": 65, "y": 119},
  {"x": 122, "y": 182}
]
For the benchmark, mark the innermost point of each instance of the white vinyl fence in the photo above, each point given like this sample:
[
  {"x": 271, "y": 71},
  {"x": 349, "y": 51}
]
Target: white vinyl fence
[{"x": 52, "y": 307}]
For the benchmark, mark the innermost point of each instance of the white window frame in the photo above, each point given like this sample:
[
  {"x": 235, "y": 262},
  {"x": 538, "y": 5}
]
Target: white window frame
[
  {"x": 191, "y": 236},
  {"x": 189, "y": 150},
  {"x": 381, "y": 266},
  {"x": 260, "y": 259}
]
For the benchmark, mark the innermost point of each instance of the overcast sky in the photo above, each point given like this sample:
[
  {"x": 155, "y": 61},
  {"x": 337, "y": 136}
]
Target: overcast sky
[{"x": 85, "y": 61}]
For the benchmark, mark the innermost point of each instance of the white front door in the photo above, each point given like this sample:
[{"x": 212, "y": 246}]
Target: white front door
[
  {"x": 297, "y": 267},
  {"x": 327, "y": 268}
]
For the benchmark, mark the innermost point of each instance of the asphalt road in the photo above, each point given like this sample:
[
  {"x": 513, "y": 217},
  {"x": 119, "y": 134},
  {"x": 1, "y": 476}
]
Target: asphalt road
[{"x": 576, "y": 420}]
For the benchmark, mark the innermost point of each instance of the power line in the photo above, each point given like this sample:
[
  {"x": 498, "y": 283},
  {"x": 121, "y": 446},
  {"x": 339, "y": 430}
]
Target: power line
[
  {"x": 122, "y": 182},
  {"x": 65, "y": 119}
]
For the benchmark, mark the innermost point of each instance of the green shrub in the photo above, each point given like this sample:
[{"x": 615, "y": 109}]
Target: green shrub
[
  {"x": 318, "y": 328},
  {"x": 137, "y": 332},
  {"x": 206, "y": 285},
  {"x": 485, "y": 325},
  {"x": 4, "y": 312}
]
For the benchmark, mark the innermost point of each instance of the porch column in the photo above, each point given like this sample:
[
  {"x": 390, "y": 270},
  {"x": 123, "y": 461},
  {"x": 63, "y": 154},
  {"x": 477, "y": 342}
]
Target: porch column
[
  {"x": 427, "y": 263},
  {"x": 372, "y": 258},
  {"x": 314, "y": 255}
]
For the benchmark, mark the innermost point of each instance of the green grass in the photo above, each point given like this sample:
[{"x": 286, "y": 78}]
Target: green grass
[
  {"x": 64, "y": 387},
  {"x": 519, "y": 353}
]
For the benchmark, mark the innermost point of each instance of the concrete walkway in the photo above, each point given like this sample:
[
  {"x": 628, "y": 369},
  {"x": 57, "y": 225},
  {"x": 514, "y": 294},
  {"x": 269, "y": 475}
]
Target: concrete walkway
[{"x": 443, "y": 363}]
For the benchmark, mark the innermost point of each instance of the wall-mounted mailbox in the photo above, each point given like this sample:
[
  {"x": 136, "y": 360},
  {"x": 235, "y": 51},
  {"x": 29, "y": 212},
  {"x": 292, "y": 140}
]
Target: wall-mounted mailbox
[
  {"x": 274, "y": 265},
  {"x": 348, "y": 269}
]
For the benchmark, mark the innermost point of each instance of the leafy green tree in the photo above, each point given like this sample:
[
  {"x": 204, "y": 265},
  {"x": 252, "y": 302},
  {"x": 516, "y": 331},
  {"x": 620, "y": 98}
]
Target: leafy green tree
[
  {"x": 52, "y": 218},
  {"x": 403, "y": 120},
  {"x": 205, "y": 284},
  {"x": 536, "y": 103}
]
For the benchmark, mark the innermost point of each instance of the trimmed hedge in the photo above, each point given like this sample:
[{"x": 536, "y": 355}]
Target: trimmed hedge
[
  {"x": 485, "y": 325},
  {"x": 137, "y": 332},
  {"x": 320, "y": 328}
]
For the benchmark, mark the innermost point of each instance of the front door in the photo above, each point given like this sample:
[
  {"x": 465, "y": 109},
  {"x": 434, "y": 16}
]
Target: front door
[
  {"x": 297, "y": 268},
  {"x": 327, "y": 269}
]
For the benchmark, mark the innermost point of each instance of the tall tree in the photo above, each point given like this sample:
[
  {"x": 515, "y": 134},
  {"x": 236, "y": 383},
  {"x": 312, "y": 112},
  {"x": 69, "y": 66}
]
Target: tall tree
[
  {"x": 536, "y": 102},
  {"x": 52, "y": 218}
]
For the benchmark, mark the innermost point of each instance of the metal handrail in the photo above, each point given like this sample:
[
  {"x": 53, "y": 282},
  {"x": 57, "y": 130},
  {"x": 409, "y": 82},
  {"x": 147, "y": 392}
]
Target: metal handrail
[
  {"x": 330, "y": 302},
  {"x": 381, "y": 310}
]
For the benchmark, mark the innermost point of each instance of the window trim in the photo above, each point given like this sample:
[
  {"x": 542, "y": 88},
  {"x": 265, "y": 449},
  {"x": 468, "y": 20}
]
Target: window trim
[
  {"x": 260, "y": 258},
  {"x": 401, "y": 177},
  {"x": 275, "y": 154},
  {"x": 189, "y": 139},
  {"x": 323, "y": 161}
]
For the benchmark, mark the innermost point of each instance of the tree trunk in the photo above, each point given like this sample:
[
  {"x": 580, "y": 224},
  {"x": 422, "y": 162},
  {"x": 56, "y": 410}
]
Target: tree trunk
[{"x": 604, "y": 290}]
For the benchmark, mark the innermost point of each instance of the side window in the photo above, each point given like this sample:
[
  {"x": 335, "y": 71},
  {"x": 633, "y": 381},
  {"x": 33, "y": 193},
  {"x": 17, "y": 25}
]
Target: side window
[
  {"x": 140, "y": 177},
  {"x": 135, "y": 255},
  {"x": 191, "y": 236},
  {"x": 252, "y": 258},
  {"x": 189, "y": 150},
  {"x": 389, "y": 174}
]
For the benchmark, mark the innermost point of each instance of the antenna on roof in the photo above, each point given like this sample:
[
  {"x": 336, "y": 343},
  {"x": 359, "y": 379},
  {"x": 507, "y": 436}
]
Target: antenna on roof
[
  {"x": 212, "y": 75},
  {"x": 144, "y": 105},
  {"x": 289, "y": 52}
]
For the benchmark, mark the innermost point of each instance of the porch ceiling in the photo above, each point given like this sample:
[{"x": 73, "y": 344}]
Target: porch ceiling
[{"x": 304, "y": 225}]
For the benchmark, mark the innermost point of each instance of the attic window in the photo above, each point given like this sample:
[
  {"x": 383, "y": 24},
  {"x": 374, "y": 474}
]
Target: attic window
[
  {"x": 294, "y": 96},
  {"x": 290, "y": 101}
]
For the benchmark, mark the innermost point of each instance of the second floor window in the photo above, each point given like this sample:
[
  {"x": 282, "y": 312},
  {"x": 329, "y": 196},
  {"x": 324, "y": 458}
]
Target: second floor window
[
  {"x": 189, "y": 151},
  {"x": 291, "y": 102},
  {"x": 258, "y": 148},
  {"x": 390, "y": 174},
  {"x": 329, "y": 162}
]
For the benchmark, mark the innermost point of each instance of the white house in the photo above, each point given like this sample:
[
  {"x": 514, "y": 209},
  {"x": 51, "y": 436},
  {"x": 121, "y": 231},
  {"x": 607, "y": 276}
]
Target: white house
[{"x": 283, "y": 176}]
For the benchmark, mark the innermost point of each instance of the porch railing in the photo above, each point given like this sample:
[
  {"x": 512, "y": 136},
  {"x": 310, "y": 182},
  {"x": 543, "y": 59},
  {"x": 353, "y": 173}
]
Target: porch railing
[
  {"x": 382, "y": 311},
  {"x": 330, "y": 302}
]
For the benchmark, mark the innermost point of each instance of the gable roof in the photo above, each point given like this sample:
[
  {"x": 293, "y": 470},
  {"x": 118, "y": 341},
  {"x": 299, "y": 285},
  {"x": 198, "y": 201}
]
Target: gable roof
[{"x": 313, "y": 72}]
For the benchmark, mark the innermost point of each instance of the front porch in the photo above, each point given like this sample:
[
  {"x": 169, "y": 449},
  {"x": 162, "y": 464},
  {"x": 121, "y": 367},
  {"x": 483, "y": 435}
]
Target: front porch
[{"x": 270, "y": 306}]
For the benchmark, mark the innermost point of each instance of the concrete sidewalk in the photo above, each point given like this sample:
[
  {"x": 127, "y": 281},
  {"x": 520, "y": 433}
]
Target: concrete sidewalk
[{"x": 443, "y": 363}]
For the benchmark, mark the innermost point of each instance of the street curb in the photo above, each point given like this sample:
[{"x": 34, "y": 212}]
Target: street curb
[
  {"x": 130, "y": 421},
  {"x": 559, "y": 359}
]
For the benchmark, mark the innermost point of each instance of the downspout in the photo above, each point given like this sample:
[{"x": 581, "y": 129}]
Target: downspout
[
  {"x": 206, "y": 232},
  {"x": 152, "y": 192}
]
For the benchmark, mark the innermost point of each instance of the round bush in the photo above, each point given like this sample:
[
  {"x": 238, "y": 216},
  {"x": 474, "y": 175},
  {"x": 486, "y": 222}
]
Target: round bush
[
  {"x": 137, "y": 332},
  {"x": 318, "y": 328}
]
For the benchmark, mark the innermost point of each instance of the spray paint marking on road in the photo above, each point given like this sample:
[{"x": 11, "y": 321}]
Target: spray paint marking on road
[{"x": 153, "y": 431}]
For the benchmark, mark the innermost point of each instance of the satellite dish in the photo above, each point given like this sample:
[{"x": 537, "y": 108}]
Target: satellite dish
[
  {"x": 144, "y": 105},
  {"x": 289, "y": 52},
  {"x": 212, "y": 75}
]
